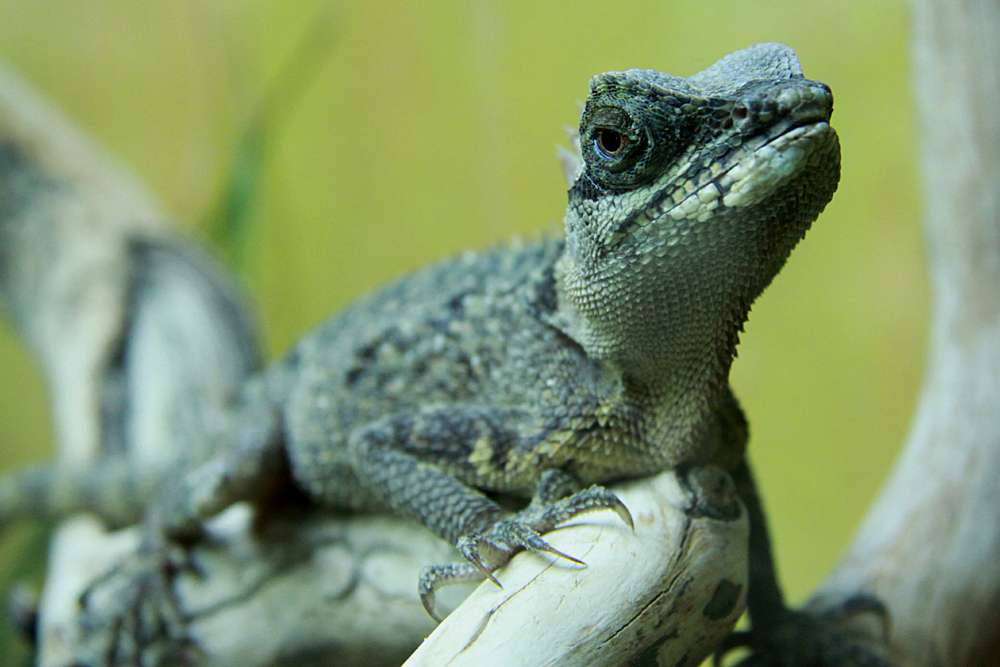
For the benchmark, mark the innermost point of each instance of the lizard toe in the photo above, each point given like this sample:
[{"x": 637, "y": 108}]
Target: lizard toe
[
  {"x": 590, "y": 499},
  {"x": 483, "y": 554},
  {"x": 131, "y": 616},
  {"x": 515, "y": 535},
  {"x": 433, "y": 578}
]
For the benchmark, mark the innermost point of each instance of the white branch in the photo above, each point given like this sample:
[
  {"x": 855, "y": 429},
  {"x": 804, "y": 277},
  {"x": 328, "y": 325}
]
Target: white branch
[
  {"x": 68, "y": 212},
  {"x": 930, "y": 547},
  {"x": 671, "y": 592},
  {"x": 346, "y": 589}
]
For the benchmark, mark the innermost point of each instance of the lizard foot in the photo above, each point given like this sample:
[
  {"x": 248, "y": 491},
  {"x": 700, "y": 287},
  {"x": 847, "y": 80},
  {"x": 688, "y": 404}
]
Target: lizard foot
[
  {"x": 488, "y": 551},
  {"x": 131, "y": 615},
  {"x": 807, "y": 639},
  {"x": 491, "y": 550}
]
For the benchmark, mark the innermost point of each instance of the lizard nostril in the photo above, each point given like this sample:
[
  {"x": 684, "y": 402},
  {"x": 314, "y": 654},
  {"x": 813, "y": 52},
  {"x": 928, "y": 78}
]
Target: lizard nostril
[{"x": 740, "y": 112}]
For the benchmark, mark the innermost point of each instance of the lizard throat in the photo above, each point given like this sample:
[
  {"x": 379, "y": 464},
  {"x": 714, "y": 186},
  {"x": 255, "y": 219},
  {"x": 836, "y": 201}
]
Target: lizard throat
[{"x": 650, "y": 337}]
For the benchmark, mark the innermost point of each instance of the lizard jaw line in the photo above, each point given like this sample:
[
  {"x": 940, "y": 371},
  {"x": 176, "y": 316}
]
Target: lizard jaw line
[
  {"x": 753, "y": 178},
  {"x": 756, "y": 176},
  {"x": 750, "y": 179}
]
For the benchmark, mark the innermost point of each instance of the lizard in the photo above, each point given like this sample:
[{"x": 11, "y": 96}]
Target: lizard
[{"x": 544, "y": 370}]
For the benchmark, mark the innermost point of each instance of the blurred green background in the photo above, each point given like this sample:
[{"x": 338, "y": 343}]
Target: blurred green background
[{"x": 402, "y": 132}]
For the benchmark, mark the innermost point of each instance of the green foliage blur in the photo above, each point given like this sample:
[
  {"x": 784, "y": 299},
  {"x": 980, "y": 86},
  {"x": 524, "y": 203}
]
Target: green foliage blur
[{"x": 329, "y": 146}]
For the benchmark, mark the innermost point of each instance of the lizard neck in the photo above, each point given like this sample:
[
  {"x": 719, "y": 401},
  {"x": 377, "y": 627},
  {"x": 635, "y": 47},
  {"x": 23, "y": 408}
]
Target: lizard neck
[{"x": 664, "y": 336}]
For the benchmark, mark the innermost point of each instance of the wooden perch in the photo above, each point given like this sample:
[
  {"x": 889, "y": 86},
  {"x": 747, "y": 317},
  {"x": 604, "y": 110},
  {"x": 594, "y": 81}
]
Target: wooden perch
[
  {"x": 930, "y": 547},
  {"x": 669, "y": 593},
  {"x": 345, "y": 590}
]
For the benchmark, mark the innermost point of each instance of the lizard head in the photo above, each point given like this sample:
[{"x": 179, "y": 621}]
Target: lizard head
[{"x": 691, "y": 194}]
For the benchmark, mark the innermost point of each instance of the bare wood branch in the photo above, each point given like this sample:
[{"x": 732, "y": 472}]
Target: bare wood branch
[
  {"x": 342, "y": 591},
  {"x": 66, "y": 212},
  {"x": 930, "y": 547},
  {"x": 671, "y": 592}
]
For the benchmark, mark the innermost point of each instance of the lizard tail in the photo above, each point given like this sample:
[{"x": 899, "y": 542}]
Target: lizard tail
[{"x": 113, "y": 489}]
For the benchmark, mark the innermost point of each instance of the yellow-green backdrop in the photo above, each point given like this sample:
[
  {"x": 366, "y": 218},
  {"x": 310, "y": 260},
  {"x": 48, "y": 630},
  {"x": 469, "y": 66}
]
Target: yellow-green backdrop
[{"x": 426, "y": 127}]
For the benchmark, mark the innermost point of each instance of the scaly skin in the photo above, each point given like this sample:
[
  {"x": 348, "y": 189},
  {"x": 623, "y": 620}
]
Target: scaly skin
[{"x": 538, "y": 370}]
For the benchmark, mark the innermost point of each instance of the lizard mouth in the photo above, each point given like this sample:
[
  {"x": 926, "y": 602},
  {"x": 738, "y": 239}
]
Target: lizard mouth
[
  {"x": 792, "y": 127},
  {"x": 761, "y": 170},
  {"x": 755, "y": 170}
]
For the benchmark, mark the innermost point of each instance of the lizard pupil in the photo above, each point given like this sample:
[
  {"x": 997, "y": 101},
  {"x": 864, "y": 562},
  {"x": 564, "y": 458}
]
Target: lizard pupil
[{"x": 610, "y": 143}]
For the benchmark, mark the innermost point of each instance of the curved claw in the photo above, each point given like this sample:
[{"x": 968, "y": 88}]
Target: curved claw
[
  {"x": 469, "y": 546},
  {"x": 435, "y": 577},
  {"x": 589, "y": 500},
  {"x": 517, "y": 535},
  {"x": 541, "y": 546},
  {"x": 623, "y": 513}
]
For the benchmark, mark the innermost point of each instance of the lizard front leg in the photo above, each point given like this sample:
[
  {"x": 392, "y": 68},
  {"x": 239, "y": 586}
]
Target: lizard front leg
[
  {"x": 424, "y": 464},
  {"x": 131, "y": 615},
  {"x": 558, "y": 498}
]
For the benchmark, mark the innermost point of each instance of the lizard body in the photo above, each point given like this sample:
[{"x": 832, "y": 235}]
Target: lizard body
[
  {"x": 606, "y": 354},
  {"x": 538, "y": 369},
  {"x": 495, "y": 393}
]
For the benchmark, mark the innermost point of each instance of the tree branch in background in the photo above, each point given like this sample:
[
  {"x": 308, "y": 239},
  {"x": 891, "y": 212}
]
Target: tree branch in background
[{"x": 930, "y": 547}]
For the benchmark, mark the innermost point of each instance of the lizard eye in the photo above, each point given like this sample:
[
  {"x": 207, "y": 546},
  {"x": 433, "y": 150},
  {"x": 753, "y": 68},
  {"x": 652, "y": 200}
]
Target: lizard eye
[
  {"x": 613, "y": 142},
  {"x": 610, "y": 143}
]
